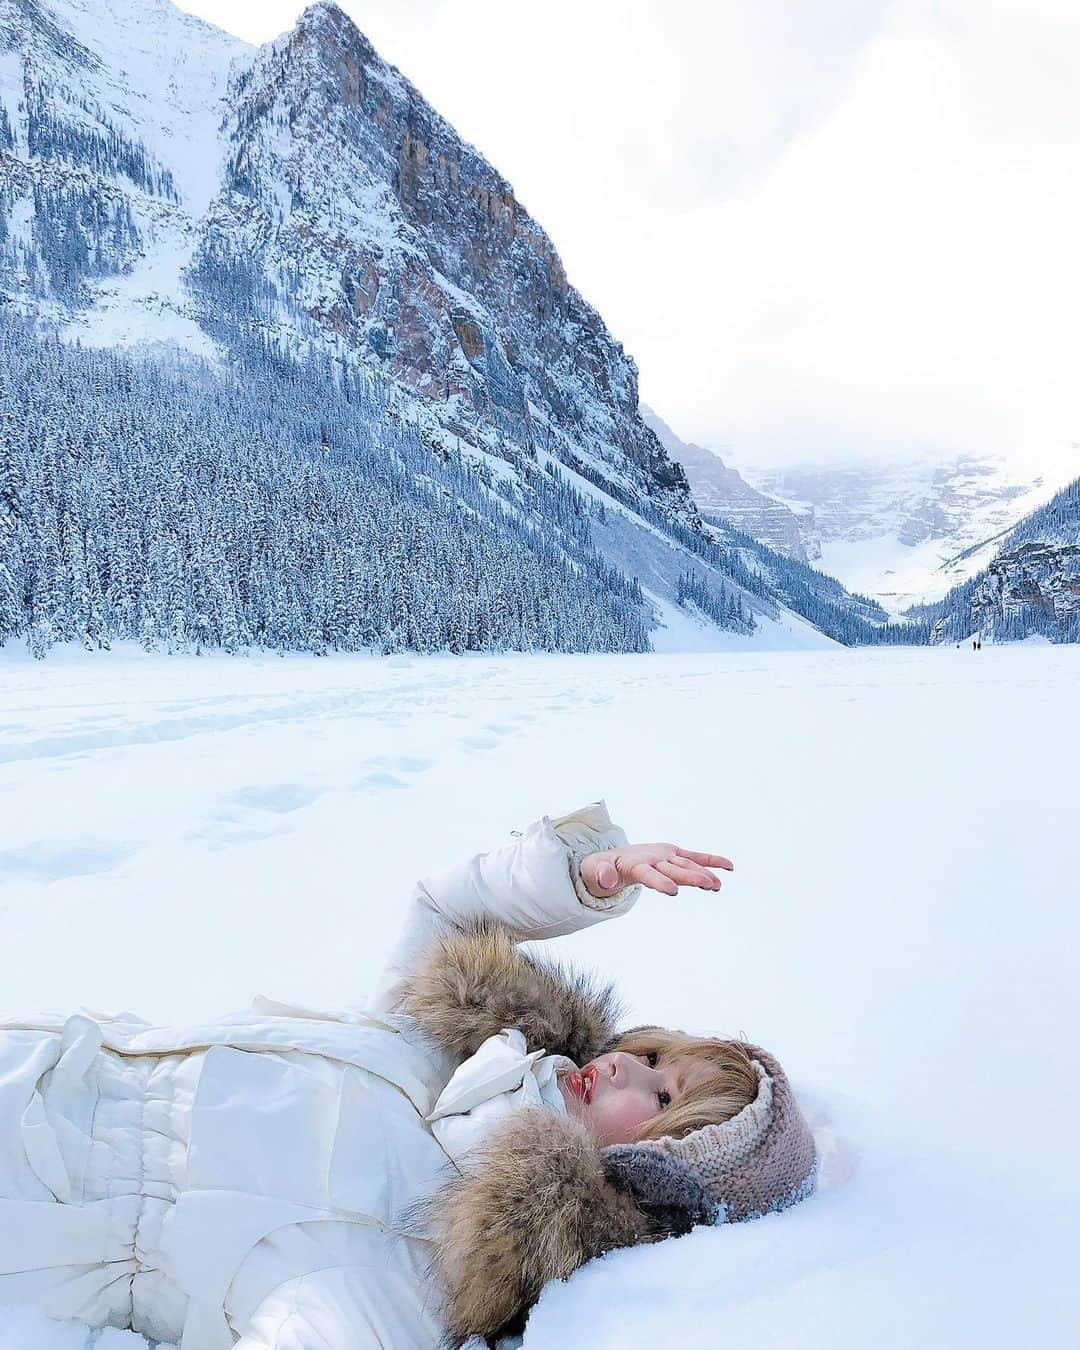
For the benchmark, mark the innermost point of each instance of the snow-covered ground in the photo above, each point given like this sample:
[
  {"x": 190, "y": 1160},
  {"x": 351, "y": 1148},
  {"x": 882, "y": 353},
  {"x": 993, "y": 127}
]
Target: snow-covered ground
[
  {"x": 901, "y": 929},
  {"x": 896, "y": 575}
]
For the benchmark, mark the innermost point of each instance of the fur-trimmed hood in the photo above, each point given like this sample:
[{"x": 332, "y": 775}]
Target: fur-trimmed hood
[
  {"x": 538, "y": 1200},
  {"x": 475, "y": 982},
  {"x": 539, "y": 1197}
]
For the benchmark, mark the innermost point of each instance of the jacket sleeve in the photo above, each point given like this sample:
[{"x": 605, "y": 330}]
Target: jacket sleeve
[
  {"x": 532, "y": 885},
  {"x": 343, "y": 1308}
]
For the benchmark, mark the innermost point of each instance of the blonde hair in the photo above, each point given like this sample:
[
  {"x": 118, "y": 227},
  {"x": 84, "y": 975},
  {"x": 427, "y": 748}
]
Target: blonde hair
[{"x": 723, "y": 1081}]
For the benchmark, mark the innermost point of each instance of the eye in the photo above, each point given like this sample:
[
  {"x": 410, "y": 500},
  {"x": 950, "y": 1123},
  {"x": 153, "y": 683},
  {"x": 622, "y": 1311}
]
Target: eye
[
  {"x": 664, "y": 1098},
  {"x": 652, "y": 1058}
]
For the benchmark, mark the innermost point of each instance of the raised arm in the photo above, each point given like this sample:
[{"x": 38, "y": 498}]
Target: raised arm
[
  {"x": 533, "y": 884},
  {"x": 562, "y": 874}
]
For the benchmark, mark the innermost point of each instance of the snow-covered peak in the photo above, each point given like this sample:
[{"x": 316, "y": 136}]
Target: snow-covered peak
[
  {"x": 908, "y": 531},
  {"x": 324, "y": 13},
  {"x": 327, "y": 36},
  {"x": 332, "y": 33},
  {"x": 143, "y": 67},
  {"x": 168, "y": 185},
  {"x": 123, "y": 25}
]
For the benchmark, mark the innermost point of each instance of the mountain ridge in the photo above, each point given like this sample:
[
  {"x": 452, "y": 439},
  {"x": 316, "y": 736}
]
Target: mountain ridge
[
  {"x": 907, "y": 532},
  {"x": 380, "y": 265},
  {"x": 299, "y": 206},
  {"x": 1030, "y": 587},
  {"x": 720, "y": 490},
  {"x": 162, "y": 182}
]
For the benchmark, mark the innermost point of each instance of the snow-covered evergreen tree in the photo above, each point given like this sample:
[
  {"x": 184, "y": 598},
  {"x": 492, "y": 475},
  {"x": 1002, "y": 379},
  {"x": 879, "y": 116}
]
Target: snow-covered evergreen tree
[{"x": 277, "y": 506}]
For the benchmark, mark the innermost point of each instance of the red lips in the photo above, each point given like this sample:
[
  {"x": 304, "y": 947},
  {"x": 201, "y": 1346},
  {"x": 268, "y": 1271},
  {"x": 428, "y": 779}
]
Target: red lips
[{"x": 582, "y": 1082}]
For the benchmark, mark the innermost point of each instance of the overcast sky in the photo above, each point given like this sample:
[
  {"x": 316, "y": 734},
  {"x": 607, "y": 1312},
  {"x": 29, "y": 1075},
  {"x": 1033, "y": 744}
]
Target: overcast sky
[{"x": 823, "y": 228}]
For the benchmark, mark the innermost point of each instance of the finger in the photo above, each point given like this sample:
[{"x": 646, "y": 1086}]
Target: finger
[
  {"x": 681, "y": 875},
  {"x": 656, "y": 881},
  {"x": 686, "y": 875},
  {"x": 607, "y": 875},
  {"x": 692, "y": 874},
  {"x": 706, "y": 859}
]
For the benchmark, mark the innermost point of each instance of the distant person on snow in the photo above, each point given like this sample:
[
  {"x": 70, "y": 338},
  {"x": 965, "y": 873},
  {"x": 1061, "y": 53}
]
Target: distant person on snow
[{"x": 294, "y": 1180}]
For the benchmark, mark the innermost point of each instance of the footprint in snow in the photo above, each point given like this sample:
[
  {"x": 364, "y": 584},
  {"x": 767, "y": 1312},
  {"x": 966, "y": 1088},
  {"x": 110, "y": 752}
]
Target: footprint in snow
[
  {"x": 57, "y": 862},
  {"x": 377, "y": 781},
  {"x": 403, "y": 763},
  {"x": 278, "y": 797},
  {"x": 217, "y": 839}
]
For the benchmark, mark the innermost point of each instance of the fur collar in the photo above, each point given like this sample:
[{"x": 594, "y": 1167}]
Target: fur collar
[
  {"x": 475, "y": 982},
  {"x": 538, "y": 1197}
]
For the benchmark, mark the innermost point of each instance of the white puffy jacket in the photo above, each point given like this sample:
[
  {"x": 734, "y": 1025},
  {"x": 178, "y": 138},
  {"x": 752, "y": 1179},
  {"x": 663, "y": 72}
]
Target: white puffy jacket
[{"x": 244, "y": 1182}]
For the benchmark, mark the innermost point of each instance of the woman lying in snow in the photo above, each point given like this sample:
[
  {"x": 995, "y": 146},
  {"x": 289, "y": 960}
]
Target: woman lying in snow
[{"x": 295, "y": 1180}]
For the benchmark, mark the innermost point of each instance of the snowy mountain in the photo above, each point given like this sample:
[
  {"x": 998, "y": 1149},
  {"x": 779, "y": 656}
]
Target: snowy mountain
[
  {"x": 722, "y": 491},
  {"x": 111, "y": 155},
  {"x": 300, "y": 207},
  {"x": 906, "y": 533},
  {"x": 901, "y": 534},
  {"x": 823, "y": 601},
  {"x": 1031, "y": 585},
  {"x": 760, "y": 538},
  {"x": 305, "y": 193}
]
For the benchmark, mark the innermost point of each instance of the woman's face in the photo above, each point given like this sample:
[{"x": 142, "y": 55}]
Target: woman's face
[{"x": 616, "y": 1094}]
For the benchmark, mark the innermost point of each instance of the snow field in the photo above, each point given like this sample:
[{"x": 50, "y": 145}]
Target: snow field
[{"x": 179, "y": 834}]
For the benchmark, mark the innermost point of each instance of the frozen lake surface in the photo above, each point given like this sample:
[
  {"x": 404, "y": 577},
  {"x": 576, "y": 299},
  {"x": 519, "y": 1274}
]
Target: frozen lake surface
[{"x": 178, "y": 834}]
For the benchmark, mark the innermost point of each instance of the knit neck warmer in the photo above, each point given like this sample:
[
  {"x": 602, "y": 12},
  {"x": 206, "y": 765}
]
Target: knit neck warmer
[
  {"x": 477, "y": 982},
  {"x": 762, "y": 1159}
]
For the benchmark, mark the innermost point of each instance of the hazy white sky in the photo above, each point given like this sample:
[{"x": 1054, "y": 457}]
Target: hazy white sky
[{"x": 822, "y": 227}]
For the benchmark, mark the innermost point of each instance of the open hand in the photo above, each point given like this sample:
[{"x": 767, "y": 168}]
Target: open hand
[{"x": 661, "y": 867}]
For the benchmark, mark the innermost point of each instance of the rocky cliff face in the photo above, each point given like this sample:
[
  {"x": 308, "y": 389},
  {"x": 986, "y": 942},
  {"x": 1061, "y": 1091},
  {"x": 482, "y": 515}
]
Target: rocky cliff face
[
  {"x": 912, "y": 501},
  {"x": 163, "y": 186},
  {"x": 907, "y": 532},
  {"x": 1032, "y": 588},
  {"x": 722, "y": 491},
  {"x": 1031, "y": 585},
  {"x": 301, "y": 194}
]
